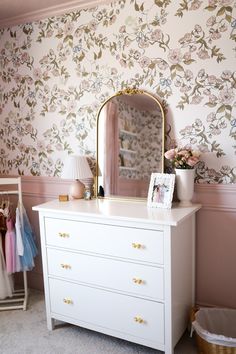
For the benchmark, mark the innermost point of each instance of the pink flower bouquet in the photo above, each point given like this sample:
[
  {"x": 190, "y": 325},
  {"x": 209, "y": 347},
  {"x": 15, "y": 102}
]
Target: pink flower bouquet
[{"x": 182, "y": 158}]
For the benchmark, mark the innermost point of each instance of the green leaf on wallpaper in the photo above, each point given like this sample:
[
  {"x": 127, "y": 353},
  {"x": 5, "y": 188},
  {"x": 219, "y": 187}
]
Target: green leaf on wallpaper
[
  {"x": 97, "y": 56},
  {"x": 228, "y": 9},
  {"x": 228, "y": 115},
  {"x": 17, "y": 105},
  {"x": 152, "y": 65},
  {"x": 155, "y": 23},
  {"x": 233, "y": 37},
  {"x": 20, "y": 173},
  {"x": 68, "y": 38},
  {"x": 221, "y": 109},
  {"x": 71, "y": 115},
  {"x": 228, "y": 18},
  {"x": 13, "y": 34},
  {"x": 189, "y": 61},
  {"x": 228, "y": 107},
  {"x": 136, "y": 6},
  {"x": 210, "y": 8},
  {"x": 42, "y": 154},
  {"x": 81, "y": 57},
  {"x": 210, "y": 104},
  {"x": 38, "y": 82},
  {"x": 221, "y": 11},
  {"x": 159, "y": 3}
]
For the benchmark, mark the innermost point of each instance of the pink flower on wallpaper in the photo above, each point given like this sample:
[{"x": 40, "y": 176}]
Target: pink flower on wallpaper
[
  {"x": 162, "y": 64},
  {"x": 122, "y": 29},
  {"x": 195, "y": 5},
  {"x": 226, "y": 96},
  {"x": 203, "y": 54},
  {"x": 186, "y": 39},
  {"x": 214, "y": 34},
  {"x": 37, "y": 73},
  {"x": 211, "y": 117},
  {"x": 212, "y": 2},
  {"x": 211, "y": 21},
  {"x": 175, "y": 56},
  {"x": 156, "y": 35},
  {"x": 212, "y": 99},
  {"x": 144, "y": 62},
  {"x": 225, "y": 2},
  {"x": 226, "y": 75},
  {"x": 196, "y": 99}
]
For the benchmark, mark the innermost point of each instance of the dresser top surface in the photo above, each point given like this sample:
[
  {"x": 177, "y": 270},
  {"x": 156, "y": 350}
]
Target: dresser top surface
[{"x": 119, "y": 210}]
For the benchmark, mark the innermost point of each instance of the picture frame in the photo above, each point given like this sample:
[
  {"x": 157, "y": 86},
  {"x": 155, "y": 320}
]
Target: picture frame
[{"x": 160, "y": 192}]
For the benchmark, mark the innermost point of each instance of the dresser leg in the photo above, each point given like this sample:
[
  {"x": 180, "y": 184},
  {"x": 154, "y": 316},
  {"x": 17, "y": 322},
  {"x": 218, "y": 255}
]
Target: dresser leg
[
  {"x": 50, "y": 323},
  {"x": 169, "y": 351}
]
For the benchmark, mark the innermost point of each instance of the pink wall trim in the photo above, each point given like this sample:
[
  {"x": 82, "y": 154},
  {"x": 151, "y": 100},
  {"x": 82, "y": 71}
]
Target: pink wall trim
[
  {"x": 215, "y": 239},
  {"x": 216, "y": 245}
]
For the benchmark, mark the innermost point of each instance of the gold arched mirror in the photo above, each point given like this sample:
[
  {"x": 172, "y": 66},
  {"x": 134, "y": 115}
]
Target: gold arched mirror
[{"x": 130, "y": 144}]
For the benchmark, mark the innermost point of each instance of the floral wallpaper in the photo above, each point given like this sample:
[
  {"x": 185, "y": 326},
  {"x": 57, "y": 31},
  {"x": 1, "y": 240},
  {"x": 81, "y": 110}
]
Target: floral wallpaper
[{"x": 55, "y": 74}]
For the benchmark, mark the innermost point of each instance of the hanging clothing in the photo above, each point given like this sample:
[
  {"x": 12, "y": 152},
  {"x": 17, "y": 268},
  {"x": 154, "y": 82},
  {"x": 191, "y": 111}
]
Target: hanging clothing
[
  {"x": 19, "y": 242},
  {"x": 6, "y": 282},
  {"x": 10, "y": 246},
  {"x": 28, "y": 239}
]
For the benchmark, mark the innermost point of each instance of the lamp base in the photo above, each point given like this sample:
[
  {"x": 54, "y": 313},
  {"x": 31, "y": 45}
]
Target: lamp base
[{"x": 77, "y": 190}]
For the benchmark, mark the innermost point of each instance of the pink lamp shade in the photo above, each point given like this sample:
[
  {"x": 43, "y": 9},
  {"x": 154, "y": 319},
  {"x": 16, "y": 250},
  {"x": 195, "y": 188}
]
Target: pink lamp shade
[{"x": 76, "y": 167}]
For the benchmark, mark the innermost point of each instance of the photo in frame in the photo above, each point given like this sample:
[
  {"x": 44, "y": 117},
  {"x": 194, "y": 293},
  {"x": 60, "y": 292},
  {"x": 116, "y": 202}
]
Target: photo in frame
[{"x": 160, "y": 192}]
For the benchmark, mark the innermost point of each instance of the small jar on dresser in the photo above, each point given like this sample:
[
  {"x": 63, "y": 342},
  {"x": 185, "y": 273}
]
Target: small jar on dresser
[{"x": 120, "y": 268}]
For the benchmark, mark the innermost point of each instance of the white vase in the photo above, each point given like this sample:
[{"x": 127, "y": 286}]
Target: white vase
[{"x": 185, "y": 185}]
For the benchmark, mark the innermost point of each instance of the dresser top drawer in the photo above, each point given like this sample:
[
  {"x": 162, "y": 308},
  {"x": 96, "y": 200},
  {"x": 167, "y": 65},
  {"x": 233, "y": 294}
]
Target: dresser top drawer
[{"x": 117, "y": 241}]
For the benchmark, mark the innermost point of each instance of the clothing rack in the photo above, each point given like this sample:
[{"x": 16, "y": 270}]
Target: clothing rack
[{"x": 20, "y": 297}]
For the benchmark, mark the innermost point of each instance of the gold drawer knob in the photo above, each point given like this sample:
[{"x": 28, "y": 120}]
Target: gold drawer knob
[
  {"x": 65, "y": 266},
  {"x": 136, "y": 245},
  {"x": 138, "y": 281},
  {"x": 139, "y": 319},
  {"x": 64, "y": 234},
  {"x": 67, "y": 301}
]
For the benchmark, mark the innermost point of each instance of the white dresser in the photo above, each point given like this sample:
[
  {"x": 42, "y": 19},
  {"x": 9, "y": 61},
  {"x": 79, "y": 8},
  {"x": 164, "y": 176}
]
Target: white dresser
[{"x": 119, "y": 268}]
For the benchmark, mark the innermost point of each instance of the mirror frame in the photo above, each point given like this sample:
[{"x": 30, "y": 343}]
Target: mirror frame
[{"x": 127, "y": 91}]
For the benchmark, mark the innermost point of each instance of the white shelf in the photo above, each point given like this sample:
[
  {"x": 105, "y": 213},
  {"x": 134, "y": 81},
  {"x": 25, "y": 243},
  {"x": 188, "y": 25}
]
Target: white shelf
[
  {"x": 127, "y": 168},
  {"x": 128, "y": 151},
  {"x": 122, "y": 131}
]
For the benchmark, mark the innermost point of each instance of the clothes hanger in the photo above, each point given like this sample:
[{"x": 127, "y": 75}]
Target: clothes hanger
[{"x": 5, "y": 207}]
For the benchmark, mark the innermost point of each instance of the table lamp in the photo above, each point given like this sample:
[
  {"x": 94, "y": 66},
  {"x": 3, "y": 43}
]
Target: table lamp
[{"x": 77, "y": 168}]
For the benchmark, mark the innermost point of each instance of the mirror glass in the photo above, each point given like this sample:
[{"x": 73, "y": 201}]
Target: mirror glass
[{"x": 130, "y": 144}]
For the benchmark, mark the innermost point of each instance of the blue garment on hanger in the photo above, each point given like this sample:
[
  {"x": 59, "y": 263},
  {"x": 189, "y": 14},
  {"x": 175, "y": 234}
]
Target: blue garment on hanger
[{"x": 28, "y": 239}]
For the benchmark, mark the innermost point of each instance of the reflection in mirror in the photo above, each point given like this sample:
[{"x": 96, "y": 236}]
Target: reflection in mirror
[{"x": 130, "y": 141}]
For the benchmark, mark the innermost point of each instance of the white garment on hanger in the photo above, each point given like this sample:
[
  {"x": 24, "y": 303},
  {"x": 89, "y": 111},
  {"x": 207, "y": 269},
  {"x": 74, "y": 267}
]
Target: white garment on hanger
[
  {"x": 19, "y": 242},
  {"x": 6, "y": 283}
]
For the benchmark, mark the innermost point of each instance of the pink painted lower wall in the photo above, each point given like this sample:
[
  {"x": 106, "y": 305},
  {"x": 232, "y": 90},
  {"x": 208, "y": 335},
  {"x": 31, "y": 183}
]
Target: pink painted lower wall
[
  {"x": 215, "y": 238},
  {"x": 216, "y": 245}
]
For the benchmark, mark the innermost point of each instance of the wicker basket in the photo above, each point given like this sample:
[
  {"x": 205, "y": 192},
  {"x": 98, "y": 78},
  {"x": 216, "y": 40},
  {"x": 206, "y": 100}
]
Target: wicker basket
[{"x": 205, "y": 347}]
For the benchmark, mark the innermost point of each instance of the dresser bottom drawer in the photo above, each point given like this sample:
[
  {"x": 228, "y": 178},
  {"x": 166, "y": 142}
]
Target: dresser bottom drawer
[{"x": 130, "y": 315}]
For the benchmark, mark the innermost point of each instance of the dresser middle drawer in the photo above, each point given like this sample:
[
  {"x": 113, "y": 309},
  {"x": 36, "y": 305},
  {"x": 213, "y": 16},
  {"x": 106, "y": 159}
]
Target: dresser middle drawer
[
  {"x": 124, "y": 242},
  {"x": 136, "y": 279}
]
